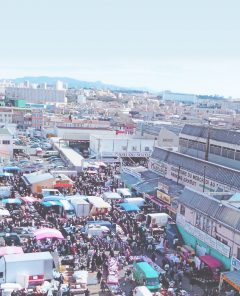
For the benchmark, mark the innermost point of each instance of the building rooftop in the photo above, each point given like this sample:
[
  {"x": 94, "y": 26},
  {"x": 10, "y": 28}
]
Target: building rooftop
[
  {"x": 222, "y": 212},
  {"x": 215, "y": 172},
  {"x": 221, "y": 135},
  {"x": 36, "y": 177}
]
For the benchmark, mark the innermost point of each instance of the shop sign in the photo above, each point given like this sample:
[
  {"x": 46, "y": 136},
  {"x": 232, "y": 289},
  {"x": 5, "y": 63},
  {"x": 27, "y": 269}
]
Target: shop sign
[
  {"x": 133, "y": 154},
  {"x": 159, "y": 168},
  {"x": 163, "y": 187},
  {"x": 235, "y": 263},
  {"x": 163, "y": 197},
  {"x": 204, "y": 237}
]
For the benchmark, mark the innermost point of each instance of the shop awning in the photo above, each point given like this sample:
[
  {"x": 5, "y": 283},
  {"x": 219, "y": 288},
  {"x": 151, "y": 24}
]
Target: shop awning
[
  {"x": 210, "y": 261},
  {"x": 63, "y": 185},
  {"x": 15, "y": 201},
  {"x": 232, "y": 278},
  {"x": 128, "y": 207},
  {"x": 51, "y": 203},
  {"x": 44, "y": 233}
]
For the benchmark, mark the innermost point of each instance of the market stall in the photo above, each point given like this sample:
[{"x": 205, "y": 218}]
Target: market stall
[
  {"x": 98, "y": 205},
  {"x": 229, "y": 280}
]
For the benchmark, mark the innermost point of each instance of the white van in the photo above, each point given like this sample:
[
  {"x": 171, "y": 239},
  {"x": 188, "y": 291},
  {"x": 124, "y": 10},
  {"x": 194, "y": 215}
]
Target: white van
[
  {"x": 141, "y": 291},
  {"x": 159, "y": 219},
  {"x": 51, "y": 153}
]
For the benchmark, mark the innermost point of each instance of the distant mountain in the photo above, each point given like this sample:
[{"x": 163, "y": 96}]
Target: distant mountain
[{"x": 74, "y": 83}]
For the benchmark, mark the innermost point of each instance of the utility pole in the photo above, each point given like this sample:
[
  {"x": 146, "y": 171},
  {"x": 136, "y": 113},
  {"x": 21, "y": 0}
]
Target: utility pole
[
  {"x": 208, "y": 141},
  {"x": 204, "y": 178},
  {"x": 178, "y": 174}
]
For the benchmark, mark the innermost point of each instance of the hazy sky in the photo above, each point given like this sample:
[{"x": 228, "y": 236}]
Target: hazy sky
[{"x": 182, "y": 45}]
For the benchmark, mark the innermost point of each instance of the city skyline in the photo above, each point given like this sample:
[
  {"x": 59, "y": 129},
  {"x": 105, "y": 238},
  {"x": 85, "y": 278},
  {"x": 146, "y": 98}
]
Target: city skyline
[{"x": 184, "y": 47}]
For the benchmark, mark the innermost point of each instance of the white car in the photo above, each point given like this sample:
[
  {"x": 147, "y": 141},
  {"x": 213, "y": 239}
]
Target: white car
[{"x": 37, "y": 161}]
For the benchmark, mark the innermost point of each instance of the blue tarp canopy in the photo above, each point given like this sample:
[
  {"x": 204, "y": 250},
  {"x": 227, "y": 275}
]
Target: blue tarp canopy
[
  {"x": 128, "y": 207},
  {"x": 14, "y": 201},
  {"x": 12, "y": 168},
  {"x": 51, "y": 203}
]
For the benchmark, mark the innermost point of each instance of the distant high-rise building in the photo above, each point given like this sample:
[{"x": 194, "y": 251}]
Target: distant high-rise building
[
  {"x": 36, "y": 95},
  {"x": 59, "y": 85},
  {"x": 185, "y": 98},
  {"x": 43, "y": 85},
  {"x": 26, "y": 83}
]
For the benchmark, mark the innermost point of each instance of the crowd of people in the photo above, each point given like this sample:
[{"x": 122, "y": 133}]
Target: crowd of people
[{"x": 85, "y": 252}]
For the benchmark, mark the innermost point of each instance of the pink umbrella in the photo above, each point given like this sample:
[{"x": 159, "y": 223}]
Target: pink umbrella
[
  {"x": 43, "y": 233},
  {"x": 10, "y": 250}
]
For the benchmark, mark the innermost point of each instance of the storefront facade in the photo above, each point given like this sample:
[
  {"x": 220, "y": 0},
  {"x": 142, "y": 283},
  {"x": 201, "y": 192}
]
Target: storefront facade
[{"x": 203, "y": 243}]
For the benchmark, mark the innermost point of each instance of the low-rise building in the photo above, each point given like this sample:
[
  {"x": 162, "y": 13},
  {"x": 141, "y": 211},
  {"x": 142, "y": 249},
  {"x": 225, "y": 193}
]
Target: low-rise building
[
  {"x": 38, "y": 181},
  {"x": 164, "y": 137},
  {"x": 198, "y": 174},
  {"x": 6, "y": 145},
  {"x": 210, "y": 226},
  {"x": 120, "y": 146},
  {"x": 222, "y": 145}
]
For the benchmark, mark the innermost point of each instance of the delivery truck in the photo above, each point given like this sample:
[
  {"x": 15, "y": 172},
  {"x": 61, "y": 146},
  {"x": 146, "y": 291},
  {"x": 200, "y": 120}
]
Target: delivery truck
[
  {"x": 30, "y": 268},
  {"x": 157, "y": 219}
]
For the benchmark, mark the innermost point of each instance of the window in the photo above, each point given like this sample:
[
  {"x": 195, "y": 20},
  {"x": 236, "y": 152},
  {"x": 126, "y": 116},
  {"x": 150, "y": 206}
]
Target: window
[
  {"x": 182, "y": 210},
  {"x": 147, "y": 149},
  {"x": 229, "y": 153},
  {"x": 134, "y": 148},
  {"x": 6, "y": 142},
  {"x": 237, "y": 155},
  {"x": 183, "y": 142},
  {"x": 201, "y": 146},
  {"x": 224, "y": 242},
  {"x": 214, "y": 149},
  {"x": 193, "y": 144},
  {"x": 238, "y": 253},
  {"x": 168, "y": 140},
  {"x": 124, "y": 148},
  {"x": 1, "y": 274}
]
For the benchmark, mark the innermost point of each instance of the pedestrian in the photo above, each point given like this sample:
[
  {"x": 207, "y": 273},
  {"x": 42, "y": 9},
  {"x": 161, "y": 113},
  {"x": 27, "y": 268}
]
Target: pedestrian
[{"x": 99, "y": 276}]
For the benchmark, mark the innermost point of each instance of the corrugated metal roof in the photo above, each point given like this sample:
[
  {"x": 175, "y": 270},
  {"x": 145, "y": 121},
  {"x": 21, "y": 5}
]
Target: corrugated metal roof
[
  {"x": 150, "y": 185},
  {"x": 223, "y": 213},
  {"x": 37, "y": 177},
  {"x": 213, "y": 171},
  {"x": 221, "y": 135}
]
